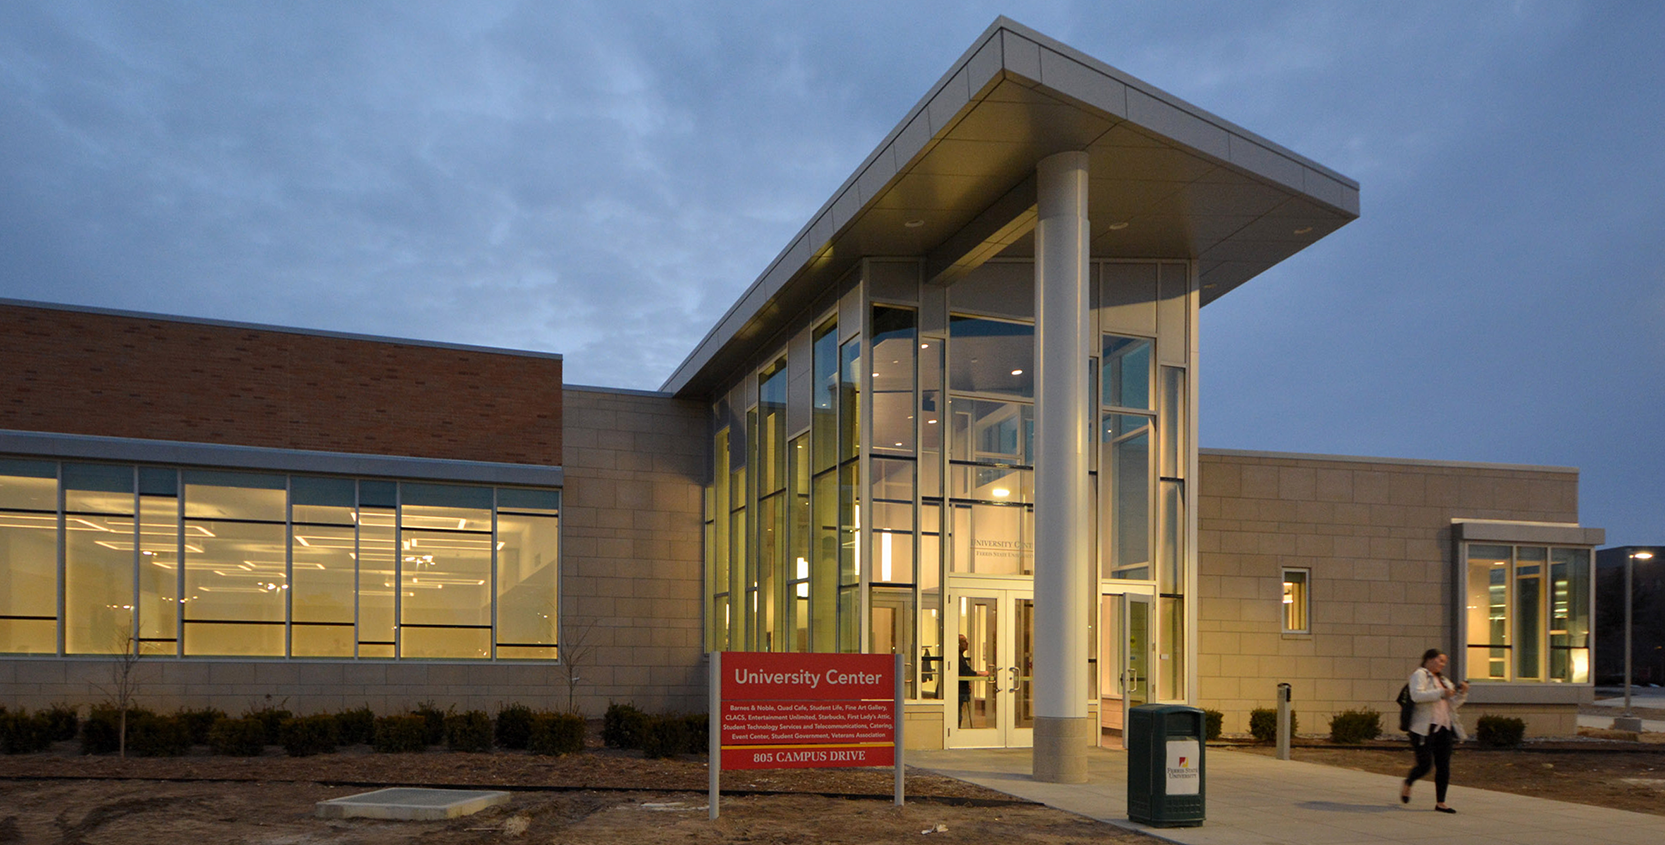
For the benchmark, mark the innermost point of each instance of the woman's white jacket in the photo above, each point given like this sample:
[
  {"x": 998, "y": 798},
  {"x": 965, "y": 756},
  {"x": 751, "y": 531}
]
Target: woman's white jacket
[{"x": 1427, "y": 689}]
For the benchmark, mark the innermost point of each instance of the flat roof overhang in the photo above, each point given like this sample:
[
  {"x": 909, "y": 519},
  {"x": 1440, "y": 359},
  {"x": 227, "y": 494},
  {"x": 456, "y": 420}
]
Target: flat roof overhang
[{"x": 1167, "y": 180}]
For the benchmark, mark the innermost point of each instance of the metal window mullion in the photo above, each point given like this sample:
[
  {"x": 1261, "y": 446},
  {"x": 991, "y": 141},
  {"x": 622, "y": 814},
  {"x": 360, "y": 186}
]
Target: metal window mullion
[
  {"x": 179, "y": 557},
  {"x": 133, "y": 615},
  {"x": 864, "y": 476},
  {"x": 491, "y": 598},
  {"x": 358, "y": 570},
  {"x": 398, "y": 571},
  {"x": 63, "y": 555},
  {"x": 288, "y": 566}
]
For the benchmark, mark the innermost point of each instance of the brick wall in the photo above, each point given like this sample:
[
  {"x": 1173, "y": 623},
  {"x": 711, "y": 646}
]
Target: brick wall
[
  {"x": 1377, "y": 538},
  {"x": 156, "y": 378}
]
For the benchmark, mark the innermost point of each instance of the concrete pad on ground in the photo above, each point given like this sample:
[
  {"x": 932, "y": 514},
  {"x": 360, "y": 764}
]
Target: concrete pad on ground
[
  {"x": 410, "y": 804},
  {"x": 1254, "y": 799},
  {"x": 1604, "y": 722}
]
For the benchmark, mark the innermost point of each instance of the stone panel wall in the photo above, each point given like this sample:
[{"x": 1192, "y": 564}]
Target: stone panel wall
[{"x": 1376, "y": 535}]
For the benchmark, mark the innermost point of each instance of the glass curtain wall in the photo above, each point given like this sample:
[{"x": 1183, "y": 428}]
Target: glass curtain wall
[
  {"x": 199, "y": 563},
  {"x": 850, "y": 541}
]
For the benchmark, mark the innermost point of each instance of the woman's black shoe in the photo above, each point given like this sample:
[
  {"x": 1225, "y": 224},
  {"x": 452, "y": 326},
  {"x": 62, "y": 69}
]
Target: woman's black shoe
[{"x": 1439, "y": 809}]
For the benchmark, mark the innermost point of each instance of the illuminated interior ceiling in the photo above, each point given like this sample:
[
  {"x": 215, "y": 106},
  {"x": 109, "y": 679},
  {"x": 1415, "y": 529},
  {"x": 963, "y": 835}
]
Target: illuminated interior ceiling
[{"x": 954, "y": 183}]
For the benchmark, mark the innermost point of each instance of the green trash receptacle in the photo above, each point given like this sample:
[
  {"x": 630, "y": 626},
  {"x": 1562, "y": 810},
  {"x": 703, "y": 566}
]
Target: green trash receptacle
[{"x": 1165, "y": 772}]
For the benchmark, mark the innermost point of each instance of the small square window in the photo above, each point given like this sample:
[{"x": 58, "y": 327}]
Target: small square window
[{"x": 1295, "y": 600}]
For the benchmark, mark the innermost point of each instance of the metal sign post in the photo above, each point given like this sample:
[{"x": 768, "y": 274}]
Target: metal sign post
[{"x": 714, "y": 726}]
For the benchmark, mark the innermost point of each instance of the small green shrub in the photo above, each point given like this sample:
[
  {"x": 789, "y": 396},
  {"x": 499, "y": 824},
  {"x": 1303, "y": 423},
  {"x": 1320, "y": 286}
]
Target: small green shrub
[
  {"x": 1352, "y": 727},
  {"x": 400, "y": 734},
  {"x": 556, "y": 733},
  {"x": 309, "y": 735},
  {"x": 157, "y": 736},
  {"x": 514, "y": 726},
  {"x": 245, "y": 737},
  {"x": 356, "y": 727},
  {"x": 101, "y": 732},
  {"x": 199, "y": 722},
  {"x": 1214, "y": 723},
  {"x": 623, "y": 726},
  {"x": 1500, "y": 731},
  {"x": 21, "y": 733},
  {"x": 469, "y": 731},
  {"x": 433, "y": 722},
  {"x": 270, "y": 719},
  {"x": 667, "y": 736},
  {"x": 699, "y": 733},
  {"x": 1263, "y": 724},
  {"x": 65, "y": 721}
]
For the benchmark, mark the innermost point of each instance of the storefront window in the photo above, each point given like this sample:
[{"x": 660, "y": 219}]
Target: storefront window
[{"x": 268, "y": 565}]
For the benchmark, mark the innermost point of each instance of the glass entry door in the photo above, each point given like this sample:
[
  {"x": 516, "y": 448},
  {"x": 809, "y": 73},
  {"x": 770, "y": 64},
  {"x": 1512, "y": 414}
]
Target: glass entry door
[
  {"x": 995, "y": 629},
  {"x": 1127, "y": 654}
]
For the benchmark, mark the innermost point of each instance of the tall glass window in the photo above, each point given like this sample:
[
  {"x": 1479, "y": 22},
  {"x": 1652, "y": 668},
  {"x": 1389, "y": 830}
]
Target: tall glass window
[
  {"x": 323, "y": 541},
  {"x": 773, "y": 507},
  {"x": 159, "y": 574},
  {"x": 849, "y": 496},
  {"x": 824, "y": 492},
  {"x": 98, "y": 559},
  {"x": 528, "y": 554},
  {"x": 991, "y": 446},
  {"x": 28, "y": 557},
  {"x": 1569, "y": 615},
  {"x": 236, "y": 586}
]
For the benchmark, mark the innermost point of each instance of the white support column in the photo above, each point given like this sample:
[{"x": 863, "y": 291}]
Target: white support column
[{"x": 1063, "y": 730}]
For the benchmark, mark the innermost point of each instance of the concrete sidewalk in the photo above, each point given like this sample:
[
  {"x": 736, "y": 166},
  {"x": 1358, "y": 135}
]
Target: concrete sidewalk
[{"x": 1256, "y": 799}]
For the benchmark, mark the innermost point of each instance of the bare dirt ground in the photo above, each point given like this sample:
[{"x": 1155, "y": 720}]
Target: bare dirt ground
[
  {"x": 603, "y": 797},
  {"x": 1620, "y": 775}
]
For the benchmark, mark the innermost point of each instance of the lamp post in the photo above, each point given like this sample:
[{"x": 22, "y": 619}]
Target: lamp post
[{"x": 1629, "y": 722}]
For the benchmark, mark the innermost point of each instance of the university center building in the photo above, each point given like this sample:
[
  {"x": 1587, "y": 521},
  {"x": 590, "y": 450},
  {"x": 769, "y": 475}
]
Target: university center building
[{"x": 954, "y": 419}]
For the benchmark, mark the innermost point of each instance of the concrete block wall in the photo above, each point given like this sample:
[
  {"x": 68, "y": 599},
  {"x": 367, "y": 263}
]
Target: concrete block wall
[{"x": 1376, "y": 535}]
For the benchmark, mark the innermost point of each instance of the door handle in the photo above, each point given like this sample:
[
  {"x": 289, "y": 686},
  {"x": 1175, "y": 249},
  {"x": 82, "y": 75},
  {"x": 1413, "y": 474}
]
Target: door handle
[{"x": 1014, "y": 678}]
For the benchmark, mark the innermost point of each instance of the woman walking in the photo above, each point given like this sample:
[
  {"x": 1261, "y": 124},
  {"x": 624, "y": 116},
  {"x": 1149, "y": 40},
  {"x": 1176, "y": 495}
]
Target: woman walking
[{"x": 1434, "y": 725}]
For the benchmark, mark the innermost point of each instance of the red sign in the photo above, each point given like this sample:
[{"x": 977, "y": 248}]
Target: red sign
[{"x": 783, "y": 711}]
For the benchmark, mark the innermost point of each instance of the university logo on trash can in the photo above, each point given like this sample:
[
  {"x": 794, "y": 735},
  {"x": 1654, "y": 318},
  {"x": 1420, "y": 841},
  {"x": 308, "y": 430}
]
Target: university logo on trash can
[{"x": 1184, "y": 778}]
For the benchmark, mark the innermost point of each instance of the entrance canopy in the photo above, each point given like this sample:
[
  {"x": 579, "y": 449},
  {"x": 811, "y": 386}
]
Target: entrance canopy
[{"x": 954, "y": 183}]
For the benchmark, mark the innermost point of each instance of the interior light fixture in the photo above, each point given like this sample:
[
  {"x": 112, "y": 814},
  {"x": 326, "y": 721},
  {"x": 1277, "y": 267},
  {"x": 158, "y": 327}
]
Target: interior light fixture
[
  {"x": 1000, "y": 492},
  {"x": 1017, "y": 372},
  {"x": 1117, "y": 227},
  {"x": 914, "y": 223},
  {"x": 1303, "y": 230}
]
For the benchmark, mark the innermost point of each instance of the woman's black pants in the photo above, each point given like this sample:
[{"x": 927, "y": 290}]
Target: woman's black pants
[{"x": 1433, "y": 751}]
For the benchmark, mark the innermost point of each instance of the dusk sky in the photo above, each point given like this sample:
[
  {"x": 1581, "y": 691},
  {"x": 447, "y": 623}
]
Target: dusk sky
[{"x": 603, "y": 179}]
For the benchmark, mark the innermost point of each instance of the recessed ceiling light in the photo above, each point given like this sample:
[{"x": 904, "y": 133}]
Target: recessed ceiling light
[
  {"x": 914, "y": 224},
  {"x": 1303, "y": 230},
  {"x": 1017, "y": 372},
  {"x": 1117, "y": 227}
]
